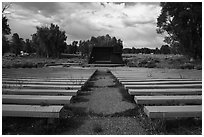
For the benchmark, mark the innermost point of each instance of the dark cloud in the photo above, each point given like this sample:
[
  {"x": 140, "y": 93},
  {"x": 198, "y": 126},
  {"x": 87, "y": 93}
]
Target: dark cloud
[
  {"x": 127, "y": 3},
  {"x": 150, "y": 3},
  {"x": 46, "y": 8},
  {"x": 129, "y": 23},
  {"x": 134, "y": 3},
  {"x": 102, "y": 4}
]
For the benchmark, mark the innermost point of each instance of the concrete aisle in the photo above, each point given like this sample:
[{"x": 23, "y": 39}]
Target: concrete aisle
[{"x": 103, "y": 108}]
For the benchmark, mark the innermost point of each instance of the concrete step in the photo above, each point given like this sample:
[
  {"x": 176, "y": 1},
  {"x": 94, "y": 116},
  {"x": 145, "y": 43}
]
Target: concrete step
[
  {"x": 35, "y": 99},
  {"x": 32, "y": 111},
  {"x": 168, "y": 100},
  {"x": 163, "y": 112},
  {"x": 166, "y": 86},
  {"x": 172, "y": 91},
  {"x": 50, "y": 92}
]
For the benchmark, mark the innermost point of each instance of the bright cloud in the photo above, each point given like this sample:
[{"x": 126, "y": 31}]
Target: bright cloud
[{"x": 134, "y": 23}]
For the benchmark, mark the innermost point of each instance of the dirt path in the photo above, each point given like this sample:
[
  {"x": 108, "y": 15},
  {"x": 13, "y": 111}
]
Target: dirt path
[{"x": 103, "y": 108}]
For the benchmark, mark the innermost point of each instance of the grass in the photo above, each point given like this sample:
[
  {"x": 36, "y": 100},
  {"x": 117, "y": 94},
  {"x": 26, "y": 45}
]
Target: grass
[
  {"x": 34, "y": 62},
  {"x": 97, "y": 128},
  {"x": 131, "y": 60},
  {"x": 161, "y": 61}
]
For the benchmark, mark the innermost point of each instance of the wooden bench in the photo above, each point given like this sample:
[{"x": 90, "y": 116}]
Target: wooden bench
[
  {"x": 35, "y": 99},
  {"x": 44, "y": 82},
  {"x": 44, "y": 79},
  {"x": 180, "y": 91},
  {"x": 163, "y": 86},
  {"x": 173, "y": 111},
  {"x": 168, "y": 100},
  {"x": 41, "y": 86},
  {"x": 161, "y": 82},
  {"x": 33, "y": 111},
  {"x": 149, "y": 80},
  {"x": 30, "y": 96},
  {"x": 50, "y": 92}
]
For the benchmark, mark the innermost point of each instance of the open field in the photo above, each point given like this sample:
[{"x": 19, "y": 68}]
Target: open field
[
  {"x": 34, "y": 62},
  {"x": 103, "y": 107},
  {"x": 160, "y": 61},
  {"x": 48, "y": 72},
  {"x": 131, "y": 60}
]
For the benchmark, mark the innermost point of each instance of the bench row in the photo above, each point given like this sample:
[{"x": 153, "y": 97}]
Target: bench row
[
  {"x": 33, "y": 86},
  {"x": 39, "y": 97},
  {"x": 165, "y": 94},
  {"x": 10, "y": 110}
]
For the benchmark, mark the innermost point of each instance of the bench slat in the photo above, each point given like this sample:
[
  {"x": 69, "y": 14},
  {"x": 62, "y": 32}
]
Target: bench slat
[
  {"x": 48, "y": 77},
  {"x": 35, "y": 100},
  {"x": 181, "y": 91},
  {"x": 161, "y": 82},
  {"x": 44, "y": 82},
  {"x": 173, "y": 111},
  {"x": 149, "y": 80},
  {"x": 170, "y": 100},
  {"x": 163, "y": 86},
  {"x": 41, "y": 86},
  {"x": 40, "y": 92},
  {"x": 31, "y": 111}
]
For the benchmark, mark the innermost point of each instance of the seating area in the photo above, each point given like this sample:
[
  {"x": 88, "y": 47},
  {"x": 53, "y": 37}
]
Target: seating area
[
  {"x": 43, "y": 97},
  {"x": 164, "y": 98}
]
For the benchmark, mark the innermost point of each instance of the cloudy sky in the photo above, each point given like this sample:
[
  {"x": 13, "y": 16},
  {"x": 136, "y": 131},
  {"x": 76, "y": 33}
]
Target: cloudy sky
[{"x": 133, "y": 22}]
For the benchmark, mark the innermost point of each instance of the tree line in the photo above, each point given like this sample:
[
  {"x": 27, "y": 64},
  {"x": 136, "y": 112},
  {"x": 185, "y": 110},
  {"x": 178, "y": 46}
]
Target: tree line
[
  {"x": 51, "y": 42},
  {"x": 85, "y": 47},
  {"x": 165, "y": 49}
]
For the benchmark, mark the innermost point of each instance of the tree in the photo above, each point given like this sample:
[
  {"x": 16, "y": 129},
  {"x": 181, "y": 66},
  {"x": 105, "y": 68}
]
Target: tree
[
  {"x": 28, "y": 47},
  {"x": 118, "y": 46},
  {"x": 85, "y": 47},
  {"x": 165, "y": 49},
  {"x": 35, "y": 44},
  {"x": 74, "y": 47},
  {"x": 50, "y": 41},
  {"x": 183, "y": 23},
  {"x": 5, "y": 30},
  {"x": 16, "y": 44},
  {"x": 157, "y": 51},
  {"x": 5, "y": 26},
  {"x": 5, "y": 44}
]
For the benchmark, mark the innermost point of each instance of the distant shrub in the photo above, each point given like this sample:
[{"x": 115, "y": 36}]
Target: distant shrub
[
  {"x": 151, "y": 64},
  {"x": 187, "y": 66},
  {"x": 17, "y": 65},
  {"x": 198, "y": 67},
  {"x": 40, "y": 65},
  {"x": 28, "y": 65},
  {"x": 132, "y": 64},
  {"x": 142, "y": 63}
]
